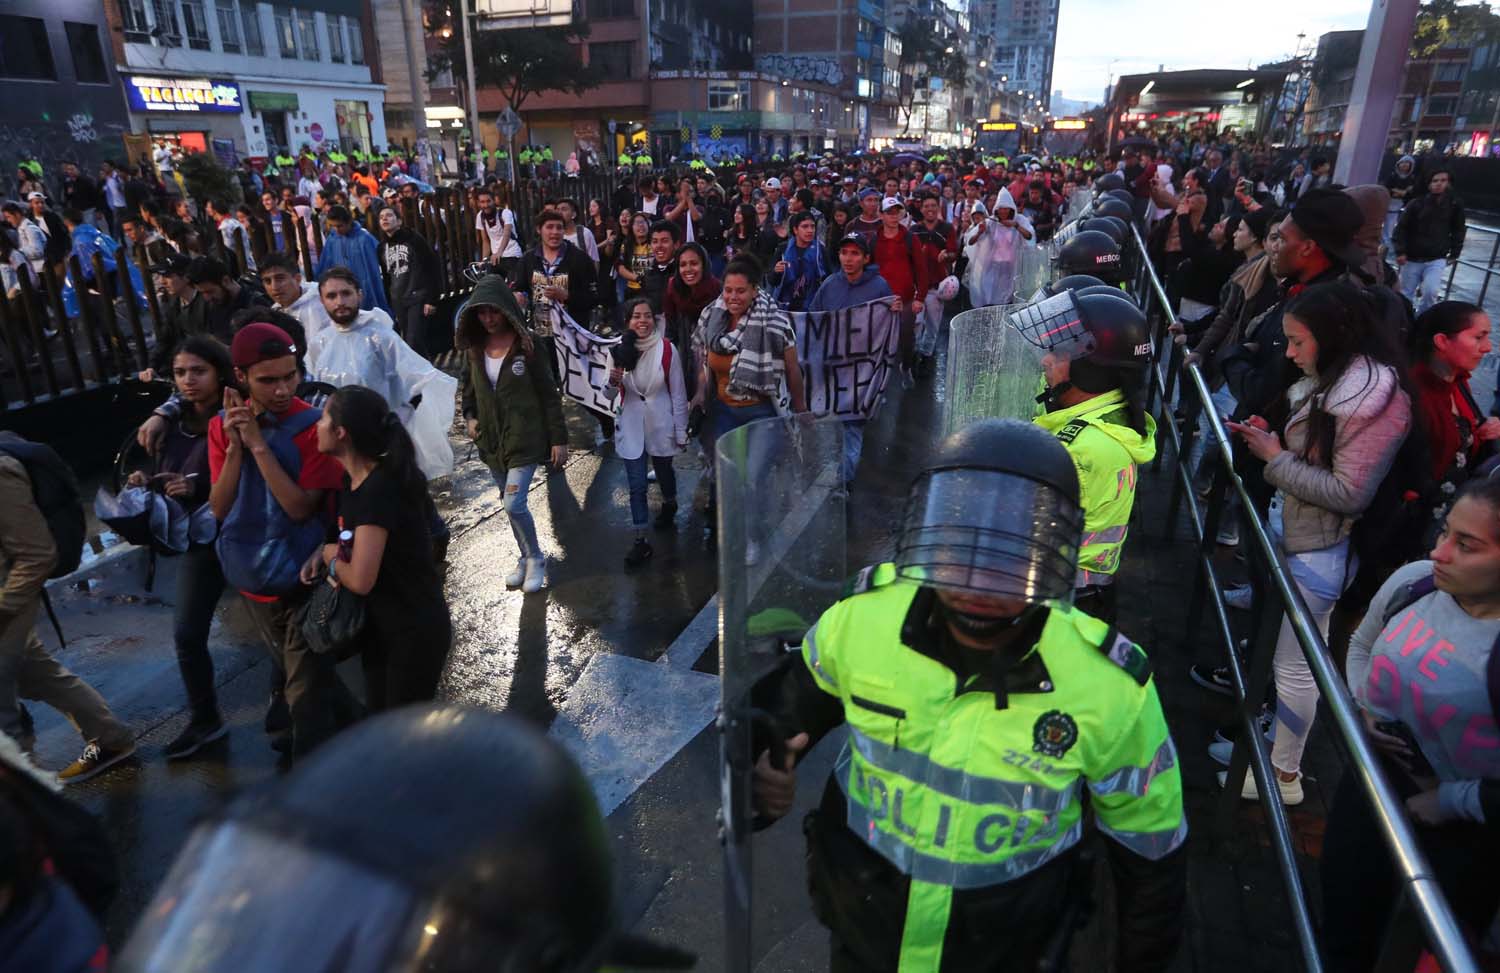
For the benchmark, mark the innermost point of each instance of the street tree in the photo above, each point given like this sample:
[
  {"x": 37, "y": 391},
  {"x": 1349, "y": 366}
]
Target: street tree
[
  {"x": 521, "y": 62},
  {"x": 925, "y": 55}
]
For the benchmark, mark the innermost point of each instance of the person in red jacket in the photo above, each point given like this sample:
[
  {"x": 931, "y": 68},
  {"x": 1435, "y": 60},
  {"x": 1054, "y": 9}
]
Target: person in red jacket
[{"x": 902, "y": 264}]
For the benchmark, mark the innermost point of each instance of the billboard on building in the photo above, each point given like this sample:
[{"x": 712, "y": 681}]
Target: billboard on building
[
  {"x": 144, "y": 93},
  {"x": 502, "y": 14}
]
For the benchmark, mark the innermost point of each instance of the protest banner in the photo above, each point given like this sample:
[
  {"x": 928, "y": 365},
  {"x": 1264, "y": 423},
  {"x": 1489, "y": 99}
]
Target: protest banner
[
  {"x": 583, "y": 363},
  {"x": 847, "y": 357}
]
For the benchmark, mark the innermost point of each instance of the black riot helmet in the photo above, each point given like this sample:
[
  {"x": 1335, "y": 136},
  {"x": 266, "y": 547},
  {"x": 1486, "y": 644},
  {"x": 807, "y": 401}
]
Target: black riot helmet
[
  {"x": 1108, "y": 181},
  {"x": 996, "y": 512},
  {"x": 1121, "y": 224},
  {"x": 1106, "y": 225},
  {"x": 478, "y": 846},
  {"x": 1107, "y": 290},
  {"x": 1072, "y": 282},
  {"x": 1122, "y": 195},
  {"x": 1114, "y": 207},
  {"x": 1091, "y": 252},
  {"x": 1105, "y": 330}
]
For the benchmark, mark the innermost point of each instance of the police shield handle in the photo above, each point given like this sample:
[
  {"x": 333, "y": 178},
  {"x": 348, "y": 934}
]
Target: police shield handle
[{"x": 775, "y": 786}]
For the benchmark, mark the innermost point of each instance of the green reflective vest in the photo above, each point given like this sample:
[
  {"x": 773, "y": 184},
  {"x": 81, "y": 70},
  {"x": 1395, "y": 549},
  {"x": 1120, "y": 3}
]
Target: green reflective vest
[
  {"x": 958, "y": 794},
  {"x": 546, "y": 153},
  {"x": 1107, "y": 453},
  {"x": 526, "y": 156},
  {"x": 337, "y": 158},
  {"x": 644, "y": 159},
  {"x": 625, "y": 159}
]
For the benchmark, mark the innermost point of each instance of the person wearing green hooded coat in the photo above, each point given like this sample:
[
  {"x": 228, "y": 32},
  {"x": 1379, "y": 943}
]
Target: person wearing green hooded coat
[{"x": 513, "y": 412}]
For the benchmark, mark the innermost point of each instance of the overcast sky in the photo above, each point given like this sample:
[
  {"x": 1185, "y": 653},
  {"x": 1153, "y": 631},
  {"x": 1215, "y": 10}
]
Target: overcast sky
[{"x": 1139, "y": 37}]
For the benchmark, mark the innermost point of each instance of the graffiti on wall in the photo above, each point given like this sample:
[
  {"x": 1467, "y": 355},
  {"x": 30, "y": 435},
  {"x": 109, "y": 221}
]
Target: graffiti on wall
[{"x": 798, "y": 67}]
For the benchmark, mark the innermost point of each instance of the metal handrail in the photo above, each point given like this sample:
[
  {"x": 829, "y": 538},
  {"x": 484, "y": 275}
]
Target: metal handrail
[
  {"x": 1488, "y": 269},
  {"x": 1444, "y": 934}
]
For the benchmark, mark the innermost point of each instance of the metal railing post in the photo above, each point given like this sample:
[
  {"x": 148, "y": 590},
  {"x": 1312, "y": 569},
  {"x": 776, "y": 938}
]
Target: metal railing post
[{"x": 1445, "y": 937}]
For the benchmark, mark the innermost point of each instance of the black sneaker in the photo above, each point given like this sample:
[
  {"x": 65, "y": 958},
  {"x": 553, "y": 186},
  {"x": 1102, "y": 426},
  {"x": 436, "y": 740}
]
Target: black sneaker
[
  {"x": 194, "y": 738},
  {"x": 1214, "y": 680},
  {"x": 666, "y": 518},
  {"x": 640, "y": 553}
]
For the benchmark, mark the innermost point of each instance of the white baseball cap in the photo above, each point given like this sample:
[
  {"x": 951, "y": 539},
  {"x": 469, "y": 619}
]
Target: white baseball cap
[
  {"x": 773, "y": 183},
  {"x": 31, "y": 196},
  {"x": 891, "y": 202}
]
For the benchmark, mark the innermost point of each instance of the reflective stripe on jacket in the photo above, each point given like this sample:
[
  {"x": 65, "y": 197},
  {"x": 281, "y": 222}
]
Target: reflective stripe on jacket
[
  {"x": 959, "y": 794},
  {"x": 1107, "y": 452}
]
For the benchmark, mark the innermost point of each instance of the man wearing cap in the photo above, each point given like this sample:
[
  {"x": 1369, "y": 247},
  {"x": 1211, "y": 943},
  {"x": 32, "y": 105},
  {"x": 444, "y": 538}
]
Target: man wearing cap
[
  {"x": 59, "y": 241},
  {"x": 270, "y": 491},
  {"x": 868, "y": 221},
  {"x": 858, "y": 283},
  {"x": 1317, "y": 245},
  {"x": 774, "y": 201},
  {"x": 32, "y": 236},
  {"x": 897, "y": 255},
  {"x": 184, "y": 312}
]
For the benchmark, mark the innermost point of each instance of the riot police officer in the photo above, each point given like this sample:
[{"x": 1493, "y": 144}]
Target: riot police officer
[
  {"x": 426, "y": 865},
  {"x": 1097, "y": 351},
  {"x": 1094, "y": 253},
  {"x": 979, "y": 703}
]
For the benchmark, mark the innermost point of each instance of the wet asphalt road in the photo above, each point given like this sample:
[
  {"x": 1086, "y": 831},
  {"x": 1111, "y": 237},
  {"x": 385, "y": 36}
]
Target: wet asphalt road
[{"x": 524, "y": 654}]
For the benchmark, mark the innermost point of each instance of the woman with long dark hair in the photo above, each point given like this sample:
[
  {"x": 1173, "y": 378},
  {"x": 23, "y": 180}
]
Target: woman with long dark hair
[
  {"x": 690, "y": 290},
  {"x": 201, "y": 371},
  {"x": 634, "y": 258},
  {"x": 838, "y": 228},
  {"x": 513, "y": 412},
  {"x": 384, "y": 549},
  {"x": 742, "y": 231},
  {"x": 1327, "y": 442}
]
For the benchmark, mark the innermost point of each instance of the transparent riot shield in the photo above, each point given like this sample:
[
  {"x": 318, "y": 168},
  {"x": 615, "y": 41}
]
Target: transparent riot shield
[
  {"x": 781, "y": 563},
  {"x": 1033, "y": 269},
  {"x": 993, "y": 372}
]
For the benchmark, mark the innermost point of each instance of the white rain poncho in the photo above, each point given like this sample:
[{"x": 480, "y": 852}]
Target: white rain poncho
[
  {"x": 994, "y": 256},
  {"x": 370, "y": 353}
]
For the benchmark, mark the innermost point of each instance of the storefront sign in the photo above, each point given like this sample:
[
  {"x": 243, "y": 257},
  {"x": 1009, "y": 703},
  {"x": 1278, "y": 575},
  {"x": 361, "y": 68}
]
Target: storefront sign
[
  {"x": 182, "y": 94},
  {"x": 263, "y": 101}
]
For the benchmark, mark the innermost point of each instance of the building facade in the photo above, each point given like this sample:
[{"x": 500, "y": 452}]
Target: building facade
[
  {"x": 1025, "y": 39},
  {"x": 243, "y": 78},
  {"x": 60, "y": 99}
]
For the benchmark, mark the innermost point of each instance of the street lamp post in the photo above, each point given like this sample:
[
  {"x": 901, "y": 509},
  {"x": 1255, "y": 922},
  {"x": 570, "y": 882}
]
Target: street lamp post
[{"x": 468, "y": 30}]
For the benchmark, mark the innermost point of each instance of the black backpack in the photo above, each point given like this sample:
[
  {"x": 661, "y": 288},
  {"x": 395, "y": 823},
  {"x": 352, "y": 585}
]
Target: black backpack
[{"x": 55, "y": 489}]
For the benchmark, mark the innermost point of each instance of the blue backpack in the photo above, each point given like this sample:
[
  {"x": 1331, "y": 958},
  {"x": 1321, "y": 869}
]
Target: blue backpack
[{"x": 260, "y": 548}]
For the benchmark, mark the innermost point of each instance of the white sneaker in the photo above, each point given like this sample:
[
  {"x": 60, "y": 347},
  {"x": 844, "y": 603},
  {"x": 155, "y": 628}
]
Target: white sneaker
[
  {"x": 1291, "y": 790},
  {"x": 516, "y": 577},
  {"x": 1238, "y": 597},
  {"x": 536, "y": 575}
]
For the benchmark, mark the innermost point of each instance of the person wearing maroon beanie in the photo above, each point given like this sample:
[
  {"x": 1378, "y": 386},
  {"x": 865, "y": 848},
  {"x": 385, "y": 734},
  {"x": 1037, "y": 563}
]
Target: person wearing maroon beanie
[{"x": 270, "y": 495}]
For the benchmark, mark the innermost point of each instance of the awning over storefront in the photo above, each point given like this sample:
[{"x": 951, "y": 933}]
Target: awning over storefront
[{"x": 263, "y": 101}]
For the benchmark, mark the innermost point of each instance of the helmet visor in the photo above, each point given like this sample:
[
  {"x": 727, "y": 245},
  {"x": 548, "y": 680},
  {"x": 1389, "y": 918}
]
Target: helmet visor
[
  {"x": 239, "y": 898},
  {"x": 1054, "y": 325},
  {"x": 992, "y": 533}
]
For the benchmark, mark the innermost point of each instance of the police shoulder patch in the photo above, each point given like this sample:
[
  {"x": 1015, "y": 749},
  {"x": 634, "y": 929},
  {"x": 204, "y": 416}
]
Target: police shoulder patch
[
  {"x": 870, "y": 576},
  {"x": 1127, "y": 655},
  {"x": 1072, "y": 430},
  {"x": 1054, "y": 733}
]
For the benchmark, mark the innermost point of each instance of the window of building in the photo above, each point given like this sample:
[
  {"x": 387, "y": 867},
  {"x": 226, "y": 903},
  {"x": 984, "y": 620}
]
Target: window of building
[
  {"x": 165, "y": 14},
  {"x": 1451, "y": 71},
  {"x": 356, "y": 42},
  {"x": 307, "y": 34},
  {"x": 612, "y": 58},
  {"x": 336, "y": 38},
  {"x": 229, "y": 27},
  {"x": 250, "y": 20},
  {"x": 286, "y": 32},
  {"x": 195, "y": 25},
  {"x": 610, "y": 9},
  {"x": 137, "y": 27},
  {"x": 88, "y": 56},
  {"x": 1442, "y": 105},
  {"x": 728, "y": 95},
  {"x": 24, "y": 51}
]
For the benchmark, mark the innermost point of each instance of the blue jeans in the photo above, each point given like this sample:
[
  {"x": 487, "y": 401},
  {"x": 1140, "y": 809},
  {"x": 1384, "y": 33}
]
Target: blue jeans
[
  {"x": 200, "y": 582},
  {"x": 515, "y": 485},
  {"x": 1427, "y": 273},
  {"x": 635, "y": 475}
]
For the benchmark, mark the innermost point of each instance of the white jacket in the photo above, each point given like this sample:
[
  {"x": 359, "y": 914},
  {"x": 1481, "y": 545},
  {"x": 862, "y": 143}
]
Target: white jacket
[{"x": 654, "y": 425}]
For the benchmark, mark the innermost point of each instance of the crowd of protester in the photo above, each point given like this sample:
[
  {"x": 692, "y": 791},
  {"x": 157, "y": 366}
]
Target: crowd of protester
[{"x": 1313, "y": 310}]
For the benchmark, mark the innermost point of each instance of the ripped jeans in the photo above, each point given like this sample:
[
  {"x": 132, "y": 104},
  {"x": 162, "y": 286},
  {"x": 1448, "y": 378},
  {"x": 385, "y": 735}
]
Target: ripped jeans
[{"x": 515, "y": 488}]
